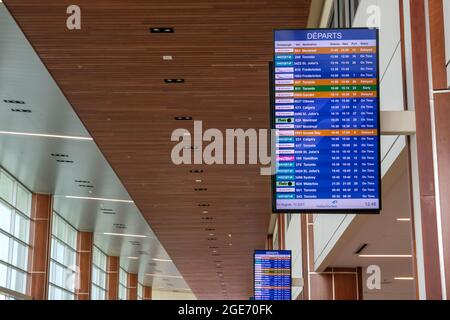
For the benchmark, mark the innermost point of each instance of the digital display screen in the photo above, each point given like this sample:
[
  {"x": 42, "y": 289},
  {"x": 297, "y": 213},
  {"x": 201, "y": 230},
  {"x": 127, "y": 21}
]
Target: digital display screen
[
  {"x": 272, "y": 275},
  {"x": 325, "y": 111}
]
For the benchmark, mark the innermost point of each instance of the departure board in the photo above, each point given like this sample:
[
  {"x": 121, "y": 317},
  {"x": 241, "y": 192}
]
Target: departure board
[
  {"x": 325, "y": 112},
  {"x": 272, "y": 275}
]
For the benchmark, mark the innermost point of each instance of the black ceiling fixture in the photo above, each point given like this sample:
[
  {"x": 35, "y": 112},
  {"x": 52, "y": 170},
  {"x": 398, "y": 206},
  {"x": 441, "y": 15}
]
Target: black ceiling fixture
[
  {"x": 83, "y": 181},
  {"x": 183, "y": 118},
  {"x": 13, "y": 101},
  {"x": 162, "y": 30},
  {"x": 64, "y": 161},
  {"x": 196, "y": 171},
  {"x": 21, "y": 110},
  {"x": 171, "y": 81},
  {"x": 108, "y": 211},
  {"x": 360, "y": 249}
]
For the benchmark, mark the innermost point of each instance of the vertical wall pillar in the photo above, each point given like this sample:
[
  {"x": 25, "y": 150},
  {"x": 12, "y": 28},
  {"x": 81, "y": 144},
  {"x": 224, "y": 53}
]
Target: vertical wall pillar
[
  {"x": 305, "y": 259},
  {"x": 441, "y": 109},
  {"x": 281, "y": 232},
  {"x": 269, "y": 242},
  {"x": 147, "y": 293},
  {"x": 112, "y": 278},
  {"x": 84, "y": 263},
  {"x": 425, "y": 187},
  {"x": 41, "y": 213},
  {"x": 132, "y": 281}
]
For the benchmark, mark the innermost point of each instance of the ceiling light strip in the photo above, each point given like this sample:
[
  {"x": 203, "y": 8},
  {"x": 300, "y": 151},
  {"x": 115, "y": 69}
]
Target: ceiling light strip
[
  {"x": 161, "y": 260},
  {"x": 385, "y": 256},
  {"x": 42, "y": 135},
  {"x": 124, "y": 235},
  {"x": 99, "y": 199},
  {"x": 162, "y": 276}
]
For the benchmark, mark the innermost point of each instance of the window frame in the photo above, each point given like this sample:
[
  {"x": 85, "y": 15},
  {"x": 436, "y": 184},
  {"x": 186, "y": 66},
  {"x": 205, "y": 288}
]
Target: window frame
[
  {"x": 53, "y": 260},
  {"x": 15, "y": 261}
]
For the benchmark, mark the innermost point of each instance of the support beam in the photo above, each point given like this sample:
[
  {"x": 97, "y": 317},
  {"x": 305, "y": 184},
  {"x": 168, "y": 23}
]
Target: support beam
[
  {"x": 112, "y": 278},
  {"x": 41, "y": 213},
  {"x": 132, "y": 286},
  {"x": 147, "y": 293},
  {"x": 84, "y": 263}
]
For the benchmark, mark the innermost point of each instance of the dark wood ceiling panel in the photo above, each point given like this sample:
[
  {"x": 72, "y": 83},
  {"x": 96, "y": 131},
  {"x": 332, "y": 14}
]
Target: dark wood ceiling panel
[{"x": 112, "y": 72}]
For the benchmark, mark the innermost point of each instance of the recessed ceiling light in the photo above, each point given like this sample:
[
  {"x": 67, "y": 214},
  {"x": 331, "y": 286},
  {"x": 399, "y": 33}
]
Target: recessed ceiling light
[
  {"x": 199, "y": 181},
  {"x": 229, "y": 235},
  {"x": 361, "y": 248},
  {"x": 41, "y": 135},
  {"x": 404, "y": 219},
  {"x": 98, "y": 199},
  {"x": 124, "y": 235},
  {"x": 171, "y": 81},
  {"x": 404, "y": 278},
  {"x": 13, "y": 101},
  {"x": 167, "y": 58},
  {"x": 385, "y": 256},
  {"x": 162, "y": 30},
  {"x": 21, "y": 110},
  {"x": 183, "y": 118}
]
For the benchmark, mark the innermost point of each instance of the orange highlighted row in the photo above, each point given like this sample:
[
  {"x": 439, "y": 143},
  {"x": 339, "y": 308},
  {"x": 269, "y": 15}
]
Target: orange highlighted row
[
  {"x": 333, "y": 82},
  {"x": 341, "y": 50},
  {"x": 336, "y": 94},
  {"x": 336, "y": 133}
]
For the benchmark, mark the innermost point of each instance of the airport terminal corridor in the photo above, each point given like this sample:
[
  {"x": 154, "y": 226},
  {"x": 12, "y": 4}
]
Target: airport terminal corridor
[{"x": 229, "y": 150}]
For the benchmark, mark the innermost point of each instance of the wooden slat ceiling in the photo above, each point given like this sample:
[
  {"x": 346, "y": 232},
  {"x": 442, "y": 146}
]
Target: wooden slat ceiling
[{"x": 112, "y": 73}]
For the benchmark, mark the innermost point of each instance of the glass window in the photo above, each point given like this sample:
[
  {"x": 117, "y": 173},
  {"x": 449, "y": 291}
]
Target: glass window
[
  {"x": 123, "y": 277},
  {"x": 140, "y": 291},
  {"x": 63, "y": 253},
  {"x": 98, "y": 287},
  {"x": 343, "y": 13},
  {"x": 6, "y": 187},
  {"x": 15, "y": 210}
]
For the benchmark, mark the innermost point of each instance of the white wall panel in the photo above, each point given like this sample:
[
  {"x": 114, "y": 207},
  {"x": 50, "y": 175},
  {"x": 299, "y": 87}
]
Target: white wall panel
[{"x": 329, "y": 228}]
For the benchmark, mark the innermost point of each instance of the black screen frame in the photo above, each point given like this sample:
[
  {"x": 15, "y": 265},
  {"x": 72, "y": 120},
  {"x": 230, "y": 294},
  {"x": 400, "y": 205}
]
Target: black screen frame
[
  {"x": 371, "y": 211},
  {"x": 254, "y": 276}
]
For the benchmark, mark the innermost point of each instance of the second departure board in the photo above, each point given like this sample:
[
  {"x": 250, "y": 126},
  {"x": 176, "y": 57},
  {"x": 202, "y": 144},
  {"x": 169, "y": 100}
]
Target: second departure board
[
  {"x": 325, "y": 112},
  {"x": 272, "y": 275}
]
